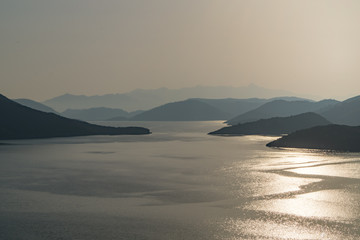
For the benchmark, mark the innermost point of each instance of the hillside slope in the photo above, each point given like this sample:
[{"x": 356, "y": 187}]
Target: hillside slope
[{"x": 21, "y": 122}]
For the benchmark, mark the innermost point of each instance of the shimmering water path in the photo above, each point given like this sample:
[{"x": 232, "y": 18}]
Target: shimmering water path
[{"x": 177, "y": 183}]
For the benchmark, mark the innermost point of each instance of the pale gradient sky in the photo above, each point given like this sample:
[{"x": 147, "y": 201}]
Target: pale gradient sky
[{"x": 52, "y": 47}]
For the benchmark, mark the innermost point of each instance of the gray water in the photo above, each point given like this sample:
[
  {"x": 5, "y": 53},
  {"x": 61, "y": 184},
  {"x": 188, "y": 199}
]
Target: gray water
[{"x": 177, "y": 183}]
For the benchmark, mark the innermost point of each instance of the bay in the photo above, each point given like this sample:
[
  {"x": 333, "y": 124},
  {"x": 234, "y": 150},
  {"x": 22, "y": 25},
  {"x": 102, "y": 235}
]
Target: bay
[{"x": 177, "y": 183}]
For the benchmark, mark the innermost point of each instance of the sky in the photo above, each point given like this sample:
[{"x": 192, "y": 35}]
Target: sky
[{"x": 52, "y": 47}]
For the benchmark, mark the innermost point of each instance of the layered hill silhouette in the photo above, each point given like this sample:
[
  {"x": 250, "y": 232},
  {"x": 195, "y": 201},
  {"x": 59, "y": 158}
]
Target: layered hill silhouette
[
  {"x": 200, "y": 109},
  {"x": 281, "y": 108},
  {"x": 330, "y": 137},
  {"x": 188, "y": 110},
  {"x": 274, "y": 126},
  {"x": 148, "y": 99},
  {"x": 227, "y": 107},
  {"x": 346, "y": 112},
  {"x": 21, "y": 122},
  {"x": 34, "y": 105}
]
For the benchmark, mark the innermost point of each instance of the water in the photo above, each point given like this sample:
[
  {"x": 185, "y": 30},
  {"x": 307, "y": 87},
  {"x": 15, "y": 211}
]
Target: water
[{"x": 177, "y": 183}]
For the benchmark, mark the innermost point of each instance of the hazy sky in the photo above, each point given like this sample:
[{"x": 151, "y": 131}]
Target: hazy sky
[{"x": 51, "y": 47}]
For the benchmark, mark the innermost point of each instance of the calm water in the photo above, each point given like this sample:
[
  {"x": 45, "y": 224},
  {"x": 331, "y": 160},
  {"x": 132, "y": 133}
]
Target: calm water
[{"x": 177, "y": 183}]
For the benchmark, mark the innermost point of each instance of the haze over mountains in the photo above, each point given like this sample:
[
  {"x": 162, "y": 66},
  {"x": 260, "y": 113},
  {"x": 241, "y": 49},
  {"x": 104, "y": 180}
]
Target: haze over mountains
[
  {"x": 200, "y": 109},
  {"x": 197, "y": 109},
  {"x": 232, "y": 110},
  {"x": 141, "y": 99},
  {"x": 274, "y": 116}
]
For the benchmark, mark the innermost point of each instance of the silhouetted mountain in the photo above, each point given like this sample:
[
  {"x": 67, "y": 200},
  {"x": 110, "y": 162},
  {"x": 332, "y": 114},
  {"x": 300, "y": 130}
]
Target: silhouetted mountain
[
  {"x": 281, "y": 108},
  {"x": 189, "y": 110},
  {"x": 147, "y": 99},
  {"x": 21, "y": 122},
  {"x": 330, "y": 137},
  {"x": 94, "y": 114},
  {"x": 275, "y": 126},
  {"x": 346, "y": 112},
  {"x": 34, "y": 105}
]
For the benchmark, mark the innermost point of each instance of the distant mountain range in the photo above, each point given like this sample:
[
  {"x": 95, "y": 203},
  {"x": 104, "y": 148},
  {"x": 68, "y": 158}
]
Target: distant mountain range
[
  {"x": 275, "y": 126},
  {"x": 330, "y": 137},
  {"x": 21, "y": 122},
  {"x": 282, "y": 108},
  {"x": 200, "y": 109},
  {"x": 223, "y": 109},
  {"x": 147, "y": 99},
  {"x": 235, "y": 111}
]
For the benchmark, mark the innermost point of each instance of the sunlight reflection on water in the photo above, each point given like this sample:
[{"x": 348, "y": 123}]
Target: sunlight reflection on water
[{"x": 178, "y": 183}]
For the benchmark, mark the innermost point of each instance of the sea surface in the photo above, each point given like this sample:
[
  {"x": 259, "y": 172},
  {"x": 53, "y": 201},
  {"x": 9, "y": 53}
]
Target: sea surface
[{"x": 177, "y": 183}]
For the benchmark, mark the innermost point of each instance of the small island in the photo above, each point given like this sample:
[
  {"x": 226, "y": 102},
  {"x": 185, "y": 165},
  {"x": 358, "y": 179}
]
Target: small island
[
  {"x": 21, "y": 122},
  {"x": 331, "y": 137},
  {"x": 274, "y": 126}
]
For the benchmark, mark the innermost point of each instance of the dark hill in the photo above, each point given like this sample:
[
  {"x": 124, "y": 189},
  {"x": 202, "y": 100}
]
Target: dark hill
[
  {"x": 346, "y": 112},
  {"x": 281, "y": 108},
  {"x": 21, "y": 122},
  {"x": 274, "y": 126},
  {"x": 34, "y": 105},
  {"x": 330, "y": 137},
  {"x": 189, "y": 110}
]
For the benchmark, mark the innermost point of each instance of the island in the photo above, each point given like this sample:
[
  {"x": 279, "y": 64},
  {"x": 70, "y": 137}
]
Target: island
[
  {"x": 331, "y": 137},
  {"x": 274, "y": 126},
  {"x": 21, "y": 122}
]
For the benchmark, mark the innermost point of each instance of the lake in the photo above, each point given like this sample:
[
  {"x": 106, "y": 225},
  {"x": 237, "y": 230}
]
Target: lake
[{"x": 177, "y": 183}]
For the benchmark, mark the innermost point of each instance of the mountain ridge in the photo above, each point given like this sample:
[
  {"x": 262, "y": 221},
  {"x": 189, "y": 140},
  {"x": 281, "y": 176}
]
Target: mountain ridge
[{"x": 143, "y": 99}]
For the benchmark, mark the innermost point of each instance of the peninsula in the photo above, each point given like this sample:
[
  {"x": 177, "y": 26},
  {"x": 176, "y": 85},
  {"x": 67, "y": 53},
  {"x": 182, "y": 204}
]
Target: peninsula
[
  {"x": 330, "y": 137},
  {"x": 274, "y": 126},
  {"x": 21, "y": 122}
]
